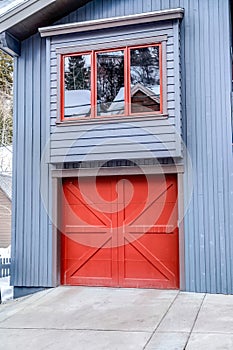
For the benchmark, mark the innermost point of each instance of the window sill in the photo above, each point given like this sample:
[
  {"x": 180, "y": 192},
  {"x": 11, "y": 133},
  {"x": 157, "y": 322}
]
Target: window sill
[{"x": 102, "y": 120}]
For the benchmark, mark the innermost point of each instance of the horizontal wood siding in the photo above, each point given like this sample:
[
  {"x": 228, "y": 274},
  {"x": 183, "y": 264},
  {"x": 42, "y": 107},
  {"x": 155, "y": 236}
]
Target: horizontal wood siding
[
  {"x": 5, "y": 220},
  {"x": 31, "y": 250},
  {"x": 113, "y": 140}
]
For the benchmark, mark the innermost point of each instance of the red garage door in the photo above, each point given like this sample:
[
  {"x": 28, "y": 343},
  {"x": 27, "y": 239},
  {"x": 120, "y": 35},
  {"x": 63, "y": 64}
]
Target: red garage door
[{"x": 120, "y": 231}]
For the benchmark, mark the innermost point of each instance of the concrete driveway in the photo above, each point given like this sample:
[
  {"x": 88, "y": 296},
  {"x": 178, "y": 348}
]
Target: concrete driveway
[{"x": 117, "y": 319}]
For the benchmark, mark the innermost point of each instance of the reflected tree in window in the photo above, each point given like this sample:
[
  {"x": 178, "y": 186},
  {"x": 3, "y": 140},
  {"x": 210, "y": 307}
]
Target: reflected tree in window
[
  {"x": 145, "y": 79},
  {"x": 144, "y": 64},
  {"x": 77, "y": 74},
  {"x": 77, "y": 101},
  {"x": 110, "y": 82}
]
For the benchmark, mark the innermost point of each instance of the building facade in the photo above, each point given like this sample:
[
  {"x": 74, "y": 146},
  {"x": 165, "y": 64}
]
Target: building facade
[{"x": 123, "y": 144}]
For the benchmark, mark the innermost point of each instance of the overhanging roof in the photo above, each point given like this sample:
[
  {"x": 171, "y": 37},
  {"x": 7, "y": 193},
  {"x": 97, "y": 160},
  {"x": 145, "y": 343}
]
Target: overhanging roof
[
  {"x": 22, "y": 18},
  {"x": 19, "y": 19}
]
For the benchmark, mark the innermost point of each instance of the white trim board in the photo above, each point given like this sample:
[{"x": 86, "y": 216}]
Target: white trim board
[{"x": 142, "y": 18}]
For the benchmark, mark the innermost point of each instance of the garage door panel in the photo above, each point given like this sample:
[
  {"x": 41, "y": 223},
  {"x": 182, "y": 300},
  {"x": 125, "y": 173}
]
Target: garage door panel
[
  {"x": 128, "y": 238},
  {"x": 133, "y": 191},
  {"x": 144, "y": 256},
  {"x": 164, "y": 188},
  {"x": 74, "y": 247},
  {"x": 88, "y": 268},
  {"x": 88, "y": 262},
  {"x": 163, "y": 246},
  {"x": 155, "y": 218},
  {"x": 77, "y": 216},
  {"x": 91, "y": 192},
  {"x": 151, "y": 214},
  {"x": 142, "y": 270},
  {"x": 87, "y": 214},
  {"x": 138, "y": 264}
]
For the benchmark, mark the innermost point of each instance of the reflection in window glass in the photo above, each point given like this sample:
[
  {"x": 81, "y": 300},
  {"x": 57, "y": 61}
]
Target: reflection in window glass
[
  {"x": 77, "y": 99},
  {"x": 145, "y": 79},
  {"x": 110, "y": 83}
]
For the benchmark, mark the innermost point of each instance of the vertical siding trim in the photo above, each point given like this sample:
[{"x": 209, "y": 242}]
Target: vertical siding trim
[
  {"x": 14, "y": 178},
  {"x": 44, "y": 175},
  {"x": 180, "y": 179},
  {"x": 177, "y": 82},
  {"x": 227, "y": 166},
  {"x": 164, "y": 72},
  {"x": 28, "y": 163},
  {"x": 36, "y": 164},
  {"x": 55, "y": 232},
  {"x": 52, "y": 239},
  {"x": 20, "y": 187}
]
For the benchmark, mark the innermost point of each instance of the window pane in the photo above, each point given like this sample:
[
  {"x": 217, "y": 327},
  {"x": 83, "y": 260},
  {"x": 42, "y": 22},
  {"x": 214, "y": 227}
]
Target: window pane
[
  {"x": 77, "y": 99},
  {"x": 110, "y": 83},
  {"x": 145, "y": 79}
]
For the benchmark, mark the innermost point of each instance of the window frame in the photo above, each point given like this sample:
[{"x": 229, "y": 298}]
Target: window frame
[
  {"x": 63, "y": 52},
  {"x": 160, "y": 112},
  {"x": 96, "y": 116}
]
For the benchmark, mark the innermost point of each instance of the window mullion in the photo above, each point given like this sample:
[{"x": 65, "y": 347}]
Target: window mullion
[
  {"x": 127, "y": 81},
  {"x": 62, "y": 87},
  {"x": 161, "y": 77},
  {"x": 93, "y": 85}
]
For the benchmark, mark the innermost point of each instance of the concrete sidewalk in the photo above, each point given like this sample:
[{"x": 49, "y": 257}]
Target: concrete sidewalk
[{"x": 117, "y": 319}]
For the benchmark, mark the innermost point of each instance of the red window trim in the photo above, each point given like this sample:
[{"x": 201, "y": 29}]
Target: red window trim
[{"x": 93, "y": 79}]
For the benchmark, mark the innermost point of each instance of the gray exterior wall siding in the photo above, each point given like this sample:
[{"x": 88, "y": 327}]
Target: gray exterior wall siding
[
  {"x": 31, "y": 248},
  {"x": 206, "y": 125}
]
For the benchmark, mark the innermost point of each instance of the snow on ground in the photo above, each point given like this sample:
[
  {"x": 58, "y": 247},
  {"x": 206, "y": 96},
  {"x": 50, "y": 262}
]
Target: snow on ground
[
  {"x": 6, "y": 160},
  {"x": 5, "y": 289},
  {"x": 5, "y": 252}
]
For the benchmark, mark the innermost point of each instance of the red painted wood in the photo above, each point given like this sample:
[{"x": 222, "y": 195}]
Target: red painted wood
[{"x": 124, "y": 234}]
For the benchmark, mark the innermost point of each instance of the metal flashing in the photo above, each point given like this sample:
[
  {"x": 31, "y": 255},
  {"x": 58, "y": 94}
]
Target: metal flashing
[
  {"x": 85, "y": 172},
  {"x": 147, "y": 17}
]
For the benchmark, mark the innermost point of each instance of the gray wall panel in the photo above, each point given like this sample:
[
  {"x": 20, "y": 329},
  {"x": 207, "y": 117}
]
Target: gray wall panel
[
  {"x": 31, "y": 251},
  {"x": 208, "y": 110},
  {"x": 14, "y": 178},
  {"x": 19, "y": 193}
]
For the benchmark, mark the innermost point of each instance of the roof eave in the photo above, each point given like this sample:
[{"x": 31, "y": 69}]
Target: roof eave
[
  {"x": 17, "y": 14},
  {"x": 9, "y": 44}
]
